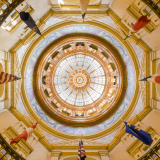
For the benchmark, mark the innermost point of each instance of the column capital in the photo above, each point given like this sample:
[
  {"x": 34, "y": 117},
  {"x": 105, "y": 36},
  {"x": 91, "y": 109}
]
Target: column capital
[
  {"x": 103, "y": 153},
  {"x": 56, "y": 154},
  {"x": 155, "y": 104}
]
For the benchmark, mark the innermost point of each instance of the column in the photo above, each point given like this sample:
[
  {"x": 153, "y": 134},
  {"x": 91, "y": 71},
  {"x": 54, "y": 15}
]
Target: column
[
  {"x": 17, "y": 126},
  {"x": 104, "y": 155},
  {"x": 30, "y": 140},
  {"x": 85, "y": 113},
  {"x": 33, "y": 142},
  {"x": 5, "y": 104},
  {"x": 155, "y": 104},
  {"x": 155, "y": 55},
  {"x": 55, "y": 155},
  {"x": 126, "y": 140},
  {"x": 21, "y": 129}
]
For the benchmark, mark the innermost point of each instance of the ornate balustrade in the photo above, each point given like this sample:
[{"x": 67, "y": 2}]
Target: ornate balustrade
[
  {"x": 9, "y": 9},
  {"x": 152, "y": 153},
  {"x": 9, "y": 151}
]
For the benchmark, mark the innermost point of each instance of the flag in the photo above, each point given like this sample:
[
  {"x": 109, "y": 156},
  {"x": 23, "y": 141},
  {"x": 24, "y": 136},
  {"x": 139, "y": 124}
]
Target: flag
[
  {"x": 28, "y": 20},
  {"x": 25, "y": 134},
  {"x": 142, "y": 22},
  {"x": 153, "y": 78},
  {"x": 5, "y": 77},
  {"x": 81, "y": 152},
  {"x": 138, "y": 133},
  {"x": 83, "y": 6}
]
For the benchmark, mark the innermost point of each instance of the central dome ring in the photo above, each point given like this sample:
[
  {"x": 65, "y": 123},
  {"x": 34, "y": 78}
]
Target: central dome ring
[{"x": 79, "y": 80}]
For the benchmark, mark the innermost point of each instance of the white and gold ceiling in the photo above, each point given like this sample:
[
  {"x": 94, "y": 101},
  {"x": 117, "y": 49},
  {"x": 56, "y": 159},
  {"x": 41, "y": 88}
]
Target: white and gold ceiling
[{"x": 78, "y": 78}]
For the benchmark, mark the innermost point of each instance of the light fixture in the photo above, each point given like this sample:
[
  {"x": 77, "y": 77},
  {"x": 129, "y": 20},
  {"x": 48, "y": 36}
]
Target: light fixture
[
  {"x": 8, "y": 28},
  {"x": 61, "y": 1},
  {"x": 14, "y": 22},
  {"x": 3, "y": 27}
]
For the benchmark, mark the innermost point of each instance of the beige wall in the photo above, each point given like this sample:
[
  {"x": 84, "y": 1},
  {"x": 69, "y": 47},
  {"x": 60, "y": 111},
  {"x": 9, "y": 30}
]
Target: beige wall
[
  {"x": 7, "y": 119},
  {"x": 120, "y": 153},
  {"x": 39, "y": 153},
  {"x": 152, "y": 119}
]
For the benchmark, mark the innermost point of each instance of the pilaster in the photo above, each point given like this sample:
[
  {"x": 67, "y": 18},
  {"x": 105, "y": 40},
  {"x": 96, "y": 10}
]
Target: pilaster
[
  {"x": 55, "y": 155},
  {"x": 104, "y": 155}
]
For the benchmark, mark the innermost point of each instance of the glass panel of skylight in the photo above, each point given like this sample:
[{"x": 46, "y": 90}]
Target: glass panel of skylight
[{"x": 97, "y": 75}]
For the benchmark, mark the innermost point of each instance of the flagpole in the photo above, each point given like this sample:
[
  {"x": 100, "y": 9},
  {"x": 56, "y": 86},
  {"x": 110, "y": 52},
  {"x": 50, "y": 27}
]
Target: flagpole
[
  {"x": 17, "y": 142},
  {"x": 154, "y": 151}
]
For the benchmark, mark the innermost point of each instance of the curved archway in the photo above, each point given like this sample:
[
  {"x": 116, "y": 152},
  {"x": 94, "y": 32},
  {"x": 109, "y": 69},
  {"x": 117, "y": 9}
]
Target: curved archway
[{"x": 133, "y": 101}]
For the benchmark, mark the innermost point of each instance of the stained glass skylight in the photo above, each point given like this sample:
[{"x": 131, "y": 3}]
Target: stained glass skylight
[{"x": 79, "y": 80}]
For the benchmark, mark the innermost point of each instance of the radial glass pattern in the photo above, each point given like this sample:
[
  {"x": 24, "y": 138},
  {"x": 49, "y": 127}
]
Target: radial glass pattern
[{"x": 79, "y": 80}]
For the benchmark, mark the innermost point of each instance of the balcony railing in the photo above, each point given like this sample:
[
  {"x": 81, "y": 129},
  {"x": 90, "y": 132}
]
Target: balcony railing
[
  {"x": 8, "y": 9},
  {"x": 152, "y": 153},
  {"x": 8, "y": 152}
]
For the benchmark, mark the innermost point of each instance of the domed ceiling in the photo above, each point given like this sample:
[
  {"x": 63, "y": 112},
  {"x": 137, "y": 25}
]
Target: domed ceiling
[{"x": 78, "y": 78}]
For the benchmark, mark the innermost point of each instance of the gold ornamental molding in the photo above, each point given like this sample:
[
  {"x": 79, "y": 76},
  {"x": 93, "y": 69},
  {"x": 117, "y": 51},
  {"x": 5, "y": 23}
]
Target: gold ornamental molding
[
  {"x": 107, "y": 49},
  {"x": 133, "y": 100}
]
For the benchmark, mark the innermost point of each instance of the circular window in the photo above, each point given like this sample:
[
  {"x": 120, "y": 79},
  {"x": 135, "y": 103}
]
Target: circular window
[{"x": 79, "y": 80}]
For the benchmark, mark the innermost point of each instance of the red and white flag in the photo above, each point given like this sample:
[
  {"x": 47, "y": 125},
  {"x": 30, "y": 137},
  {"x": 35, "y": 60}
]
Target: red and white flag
[
  {"x": 25, "y": 134},
  {"x": 154, "y": 78},
  {"x": 5, "y": 77},
  {"x": 81, "y": 152},
  {"x": 83, "y": 6},
  {"x": 142, "y": 22}
]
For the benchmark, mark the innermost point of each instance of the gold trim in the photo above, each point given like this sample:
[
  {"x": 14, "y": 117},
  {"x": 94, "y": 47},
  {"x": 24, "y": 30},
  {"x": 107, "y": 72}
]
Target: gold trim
[
  {"x": 133, "y": 101},
  {"x": 114, "y": 105}
]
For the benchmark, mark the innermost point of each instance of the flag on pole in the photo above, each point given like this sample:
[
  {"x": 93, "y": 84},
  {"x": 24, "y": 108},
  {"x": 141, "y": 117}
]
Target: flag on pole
[
  {"x": 28, "y": 20},
  {"x": 83, "y": 6},
  {"x": 25, "y": 134},
  {"x": 5, "y": 77},
  {"x": 138, "y": 133},
  {"x": 142, "y": 22},
  {"x": 81, "y": 151},
  {"x": 153, "y": 78}
]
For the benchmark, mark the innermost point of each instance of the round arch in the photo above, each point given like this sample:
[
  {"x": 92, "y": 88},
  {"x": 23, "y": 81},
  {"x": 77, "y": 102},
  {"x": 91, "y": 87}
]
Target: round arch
[{"x": 133, "y": 100}]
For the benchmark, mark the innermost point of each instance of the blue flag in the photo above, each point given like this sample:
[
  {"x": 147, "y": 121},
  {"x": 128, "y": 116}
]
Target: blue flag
[{"x": 138, "y": 133}]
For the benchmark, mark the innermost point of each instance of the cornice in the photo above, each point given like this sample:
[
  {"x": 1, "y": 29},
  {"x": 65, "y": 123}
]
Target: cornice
[
  {"x": 30, "y": 37},
  {"x": 117, "y": 59},
  {"x": 134, "y": 98}
]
